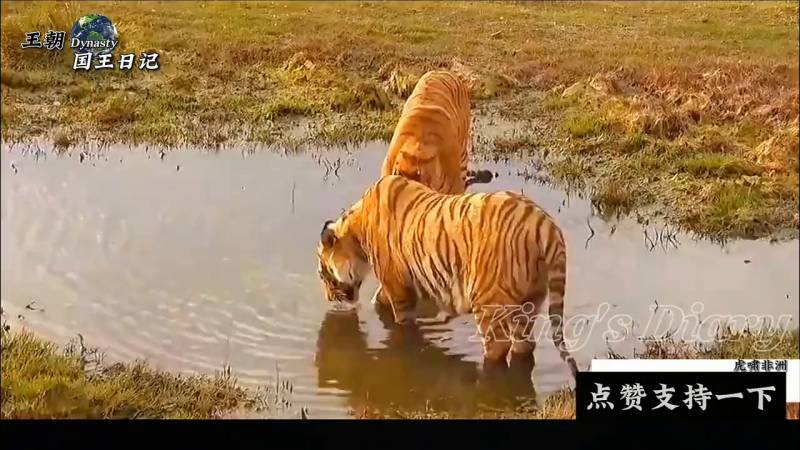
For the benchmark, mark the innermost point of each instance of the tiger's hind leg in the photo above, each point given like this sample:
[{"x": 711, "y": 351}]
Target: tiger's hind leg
[
  {"x": 522, "y": 347},
  {"x": 521, "y": 359},
  {"x": 524, "y": 342},
  {"x": 508, "y": 355},
  {"x": 493, "y": 329}
]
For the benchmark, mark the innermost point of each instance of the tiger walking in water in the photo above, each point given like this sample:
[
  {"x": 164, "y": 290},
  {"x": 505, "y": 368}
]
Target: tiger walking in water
[
  {"x": 432, "y": 142},
  {"x": 469, "y": 252}
]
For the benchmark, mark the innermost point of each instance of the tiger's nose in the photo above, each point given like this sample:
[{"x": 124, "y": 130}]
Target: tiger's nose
[{"x": 415, "y": 175}]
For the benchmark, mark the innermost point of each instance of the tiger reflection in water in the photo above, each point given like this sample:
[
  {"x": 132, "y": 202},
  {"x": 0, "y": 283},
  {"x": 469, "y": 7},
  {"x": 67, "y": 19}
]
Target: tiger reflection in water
[{"x": 409, "y": 374}]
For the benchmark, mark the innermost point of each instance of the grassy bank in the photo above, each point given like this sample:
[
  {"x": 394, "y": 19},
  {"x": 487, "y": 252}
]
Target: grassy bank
[
  {"x": 42, "y": 381},
  {"x": 729, "y": 345},
  {"x": 682, "y": 110}
]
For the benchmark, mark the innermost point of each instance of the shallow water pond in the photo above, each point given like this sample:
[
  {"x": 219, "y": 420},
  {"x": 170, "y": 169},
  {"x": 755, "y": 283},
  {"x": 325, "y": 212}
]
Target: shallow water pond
[{"x": 201, "y": 259}]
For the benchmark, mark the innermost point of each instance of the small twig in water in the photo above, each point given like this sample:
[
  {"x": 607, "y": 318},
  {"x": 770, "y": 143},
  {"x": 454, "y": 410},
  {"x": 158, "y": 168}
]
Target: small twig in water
[
  {"x": 33, "y": 308},
  {"x": 277, "y": 379},
  {"x": 647, "y": 241},
  {"x": 588, "y": 224},
  {"x": 293, "y": 186}
]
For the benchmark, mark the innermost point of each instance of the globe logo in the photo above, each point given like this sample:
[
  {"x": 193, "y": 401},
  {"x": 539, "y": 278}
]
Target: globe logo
[{"x": 93, "y": 33}]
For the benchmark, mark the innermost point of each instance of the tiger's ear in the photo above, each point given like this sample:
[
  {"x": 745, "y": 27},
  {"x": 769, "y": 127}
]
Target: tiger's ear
[{"x": 327, "y": 236}]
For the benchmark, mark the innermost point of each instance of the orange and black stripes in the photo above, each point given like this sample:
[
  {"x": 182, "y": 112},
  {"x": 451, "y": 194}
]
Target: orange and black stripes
[
  {"x": 469, "y": 253},
  {"x": 425, "y": 237},
  {"x": 432, "y": 141}
]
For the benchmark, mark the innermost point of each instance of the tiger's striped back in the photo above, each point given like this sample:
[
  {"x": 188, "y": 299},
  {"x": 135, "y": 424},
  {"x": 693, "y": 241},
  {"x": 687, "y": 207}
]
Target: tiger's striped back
[
  {"x": 432, "y": 141},
  {"x": 470, "y": 253}
]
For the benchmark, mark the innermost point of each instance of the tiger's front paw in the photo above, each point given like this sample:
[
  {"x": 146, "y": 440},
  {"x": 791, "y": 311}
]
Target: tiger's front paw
[
  {"x": 441, "y": 318},
  {"x": 405, "y": 318},
  {"x": 379, "y": 297}
]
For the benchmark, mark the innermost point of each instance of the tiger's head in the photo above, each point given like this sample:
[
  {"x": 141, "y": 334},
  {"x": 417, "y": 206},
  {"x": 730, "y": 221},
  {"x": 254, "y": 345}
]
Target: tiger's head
[
  {"x": 408, "y": 166},
  {"x": 343, "y": 265}
]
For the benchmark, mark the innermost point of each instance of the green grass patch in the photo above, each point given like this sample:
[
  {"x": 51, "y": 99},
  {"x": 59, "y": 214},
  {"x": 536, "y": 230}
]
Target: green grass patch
[
  {"x": 289, "y": 106},
  {"x": 355, "y": 128},
  {"x": 42, "y": 381},
  {"x": 581, "y": 124},
  {"x": 568, "y": 172},
  {"x": 363, "y": 96},
  {"x": 555, "y": 102},
  {"x": 719, "y": 165},
  {"x": 119, "y": 108},
  {"x": 506, "y": 145},
  {"x": 163, "y": 130},
  {"x": 735, "y": 201},
  {"x": 751, "y": 133},
  {"x": 634, "y": 142},
  {"x": 401, "y": 84},
  {"x": 731, "y": 209},
  {"x": 613, "y": 196}
]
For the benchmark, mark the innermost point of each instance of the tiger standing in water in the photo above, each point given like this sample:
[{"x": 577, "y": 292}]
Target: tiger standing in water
[
  {"x": 433, "y": 141},
  {"x": 470, "y": 253}
]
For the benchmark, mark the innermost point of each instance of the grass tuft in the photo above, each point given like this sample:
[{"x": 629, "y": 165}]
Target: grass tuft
[
  {"x": 44, "y": 382},
  {"x": 730, "y": 209},
  {"x": 401, "y": 84},
  {"x": 504, "y": 145},
  {"x": 16, "y": 79},
  {"x": 79, "y": 91},
  {"x": 582, "y": 124},
  {"x": 568, "y": 172},
  {"x": 719, "y": 165},
  {"x": 62, "y": 140},
  {"x": 117, "y": 109},
  {"x": 633, "y": 143},
  {"x": 364, "y": 96},
  {"x": 613, "y": 196}
]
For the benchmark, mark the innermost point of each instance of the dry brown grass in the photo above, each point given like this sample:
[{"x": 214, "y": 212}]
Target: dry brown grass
[
  {"x": 779, "y": 152},
  {"x": 668, "y": 72}
]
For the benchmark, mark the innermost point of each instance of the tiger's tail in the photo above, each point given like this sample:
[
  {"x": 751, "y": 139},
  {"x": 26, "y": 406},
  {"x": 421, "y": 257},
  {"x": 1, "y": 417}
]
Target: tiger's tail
[{"x": 555, "y": 249}]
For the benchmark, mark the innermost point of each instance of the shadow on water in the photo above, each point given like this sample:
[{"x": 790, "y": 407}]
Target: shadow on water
[{"x": 410, "y": 374}]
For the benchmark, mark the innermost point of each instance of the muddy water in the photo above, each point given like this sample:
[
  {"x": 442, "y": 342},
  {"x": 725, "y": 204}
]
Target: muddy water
[{"x": 202, "y": 259}]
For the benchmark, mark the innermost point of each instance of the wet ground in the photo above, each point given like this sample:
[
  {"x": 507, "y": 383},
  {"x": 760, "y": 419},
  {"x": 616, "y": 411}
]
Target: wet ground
[{"x": 201, "y": 259}]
